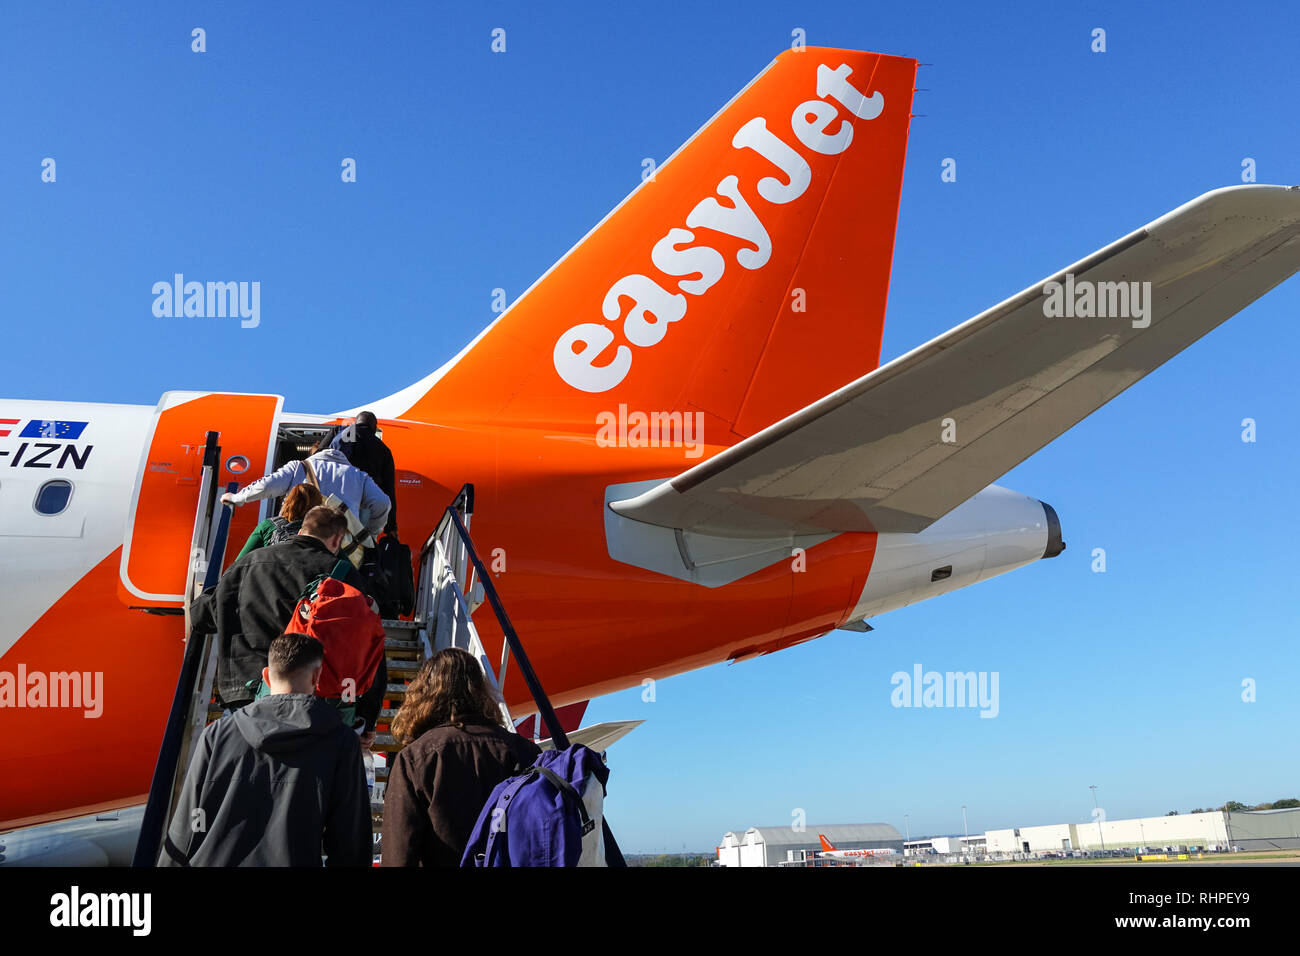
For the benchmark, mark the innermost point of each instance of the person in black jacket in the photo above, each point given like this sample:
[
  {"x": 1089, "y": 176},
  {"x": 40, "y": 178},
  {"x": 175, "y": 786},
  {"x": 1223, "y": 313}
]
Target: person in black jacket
[
  {"x": 455, "y": 752},
  {"x": 253, "y": 601},
  {"x": 279, "y": 783},
  {"x": 366, "y": 450}
]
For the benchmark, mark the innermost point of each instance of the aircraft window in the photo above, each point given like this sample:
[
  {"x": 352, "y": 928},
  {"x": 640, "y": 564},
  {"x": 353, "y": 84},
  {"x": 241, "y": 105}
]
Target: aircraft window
[{"x": 53, "y": 497}]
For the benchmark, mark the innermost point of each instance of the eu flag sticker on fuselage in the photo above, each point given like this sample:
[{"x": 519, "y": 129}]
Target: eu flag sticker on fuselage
[{"x": 68, "y": 431}]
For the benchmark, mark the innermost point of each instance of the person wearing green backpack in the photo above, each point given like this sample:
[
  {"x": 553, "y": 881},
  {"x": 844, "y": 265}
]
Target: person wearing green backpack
[{"x": 299, "y": 500}]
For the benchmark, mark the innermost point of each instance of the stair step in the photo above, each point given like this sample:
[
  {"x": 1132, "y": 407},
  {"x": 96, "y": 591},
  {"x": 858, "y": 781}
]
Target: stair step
[
  {"x": 393, "y": 644},
  {"x": 388, "y": 713},
  {"x": 395, "y": 690},
  {"x": 403, "y": 668},
  {"x": 410, "y": 627},
  {"x": 385, "y": 743}
]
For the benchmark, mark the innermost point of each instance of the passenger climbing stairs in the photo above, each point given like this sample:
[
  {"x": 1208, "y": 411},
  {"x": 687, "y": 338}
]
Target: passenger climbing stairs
[{"x": 449, "y": 571}]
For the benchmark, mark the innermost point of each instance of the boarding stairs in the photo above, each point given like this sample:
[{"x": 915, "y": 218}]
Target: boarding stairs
[{"x": 451, "y": 584}]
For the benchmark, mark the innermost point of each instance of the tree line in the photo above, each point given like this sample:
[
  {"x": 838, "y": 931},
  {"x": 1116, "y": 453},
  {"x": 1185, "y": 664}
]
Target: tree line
[{"x": 1236, "y": 806}]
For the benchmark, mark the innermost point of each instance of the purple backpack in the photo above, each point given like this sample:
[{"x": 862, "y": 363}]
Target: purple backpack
[{"x": 549, "y": 815}]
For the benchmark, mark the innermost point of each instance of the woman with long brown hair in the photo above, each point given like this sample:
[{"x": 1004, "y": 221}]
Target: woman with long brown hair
[
  {"x": 455, "y": 752},
  {"x": 299, "y": 500}
]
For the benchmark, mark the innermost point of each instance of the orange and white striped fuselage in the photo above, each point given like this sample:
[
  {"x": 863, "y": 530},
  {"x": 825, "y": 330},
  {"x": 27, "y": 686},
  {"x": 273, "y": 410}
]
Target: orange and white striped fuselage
[{"x": 829, "y": 850}]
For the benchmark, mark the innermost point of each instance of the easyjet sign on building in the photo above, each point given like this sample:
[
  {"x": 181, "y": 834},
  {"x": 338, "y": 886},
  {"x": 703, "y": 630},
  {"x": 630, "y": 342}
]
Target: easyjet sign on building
[{"x": 652, "y": 308}]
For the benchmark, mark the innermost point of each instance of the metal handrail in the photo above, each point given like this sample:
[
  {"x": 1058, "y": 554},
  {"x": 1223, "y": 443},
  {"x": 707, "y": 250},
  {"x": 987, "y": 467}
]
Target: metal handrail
[
  {"x": 167, "y": 779},
  {"x": 463, "y": 503},
  {"x": 544, "y": 708},
  {"x": 201, "y": 540},
  {"x": 468, "y": 568},
  {"x": 559, "y": 739}
]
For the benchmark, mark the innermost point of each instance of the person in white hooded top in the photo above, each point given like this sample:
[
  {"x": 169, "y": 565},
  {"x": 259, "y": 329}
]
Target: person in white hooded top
[{"x": 334, "y": 476}]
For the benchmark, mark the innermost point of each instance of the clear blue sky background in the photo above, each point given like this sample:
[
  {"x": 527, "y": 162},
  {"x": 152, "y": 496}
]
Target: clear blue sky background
[{"x": 479, "y": 170}]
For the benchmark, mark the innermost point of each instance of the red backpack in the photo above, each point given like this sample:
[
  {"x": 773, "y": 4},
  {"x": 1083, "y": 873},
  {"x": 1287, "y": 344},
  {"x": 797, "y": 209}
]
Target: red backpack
[{"x": 339, "y": 616}]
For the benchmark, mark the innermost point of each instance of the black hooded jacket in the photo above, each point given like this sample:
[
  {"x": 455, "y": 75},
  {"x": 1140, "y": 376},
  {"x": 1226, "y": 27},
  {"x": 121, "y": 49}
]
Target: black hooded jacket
[
  {"x": 252, "y": 604},
  {"x": 279, "y": 783},
  {"x": 369, "y": 453}
]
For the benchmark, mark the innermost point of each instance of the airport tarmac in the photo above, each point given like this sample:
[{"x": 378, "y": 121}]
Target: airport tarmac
[{"x": 1284, "y": 858}]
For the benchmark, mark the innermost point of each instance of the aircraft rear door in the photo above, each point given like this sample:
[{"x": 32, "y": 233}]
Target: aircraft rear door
[{"x": 160, "y": 524}]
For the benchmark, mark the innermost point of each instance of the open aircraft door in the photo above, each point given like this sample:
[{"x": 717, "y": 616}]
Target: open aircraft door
[{"x": 157, "y": 549}]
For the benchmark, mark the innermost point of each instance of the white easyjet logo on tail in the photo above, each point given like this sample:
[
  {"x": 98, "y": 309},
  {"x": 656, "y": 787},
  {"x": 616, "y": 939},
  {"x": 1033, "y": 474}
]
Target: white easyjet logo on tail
[{"x": 653, "y": 306}]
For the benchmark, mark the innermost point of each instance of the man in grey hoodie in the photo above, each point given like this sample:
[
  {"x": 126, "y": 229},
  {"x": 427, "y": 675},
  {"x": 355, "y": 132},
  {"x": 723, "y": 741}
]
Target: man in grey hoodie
[
  {"x": 331, "y": 472},
  {"x": 277, "y": 783}
]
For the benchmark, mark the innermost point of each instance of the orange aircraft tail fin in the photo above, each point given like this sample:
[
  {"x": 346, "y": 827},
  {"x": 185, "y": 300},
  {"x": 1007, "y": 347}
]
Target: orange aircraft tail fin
[
  {"x": 743, "y": 280},
  {"x": 826, "y": 844}
]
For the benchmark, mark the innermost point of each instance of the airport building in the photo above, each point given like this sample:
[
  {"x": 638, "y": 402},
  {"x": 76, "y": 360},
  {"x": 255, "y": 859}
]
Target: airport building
[
  {"x": 1250, "y": 830},
  {"x": 943, "y": 845},
  {"x": 1038, "y": 839},
  {"x": 776, "y": 846},
  {"x": 1213, "y": 830},
  {"x": 1265, "y": 829},
  {"x": 927, "y": 845}
]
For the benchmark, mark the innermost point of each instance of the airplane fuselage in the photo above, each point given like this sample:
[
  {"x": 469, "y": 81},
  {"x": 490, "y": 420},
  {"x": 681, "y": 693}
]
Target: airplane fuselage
[{"x": 587, "y": 592}]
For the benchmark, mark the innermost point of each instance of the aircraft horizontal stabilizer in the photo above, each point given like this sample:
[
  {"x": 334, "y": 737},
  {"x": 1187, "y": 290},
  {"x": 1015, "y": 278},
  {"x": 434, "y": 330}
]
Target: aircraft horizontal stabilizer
[
  {"x": 900, "y": 447},
  {"x": 598, "y": 737}
]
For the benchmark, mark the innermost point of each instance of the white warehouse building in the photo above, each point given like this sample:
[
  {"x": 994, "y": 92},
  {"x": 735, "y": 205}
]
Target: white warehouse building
[
  {"x": 1053, "y": 836},
  {"x": 945, "y": 845},
  {"x": 1250, "y": 830}
]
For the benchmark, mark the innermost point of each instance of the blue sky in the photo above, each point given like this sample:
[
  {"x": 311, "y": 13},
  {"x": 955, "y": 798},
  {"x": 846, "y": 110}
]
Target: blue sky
[{"x": 478, "y": 170}]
